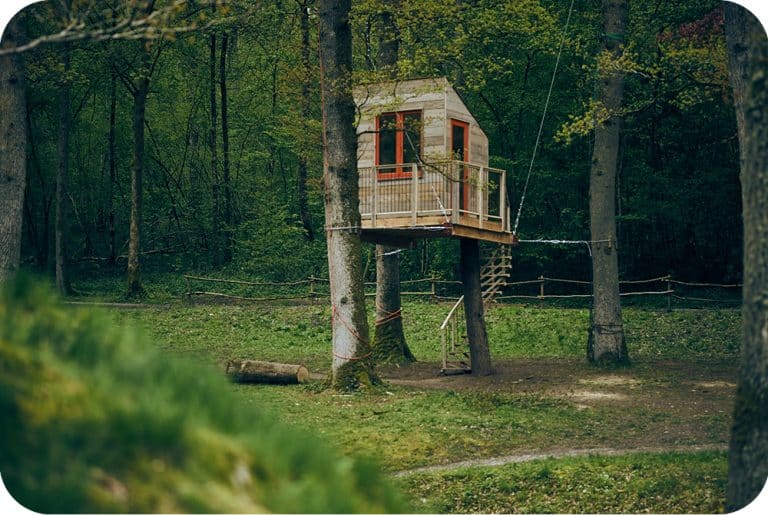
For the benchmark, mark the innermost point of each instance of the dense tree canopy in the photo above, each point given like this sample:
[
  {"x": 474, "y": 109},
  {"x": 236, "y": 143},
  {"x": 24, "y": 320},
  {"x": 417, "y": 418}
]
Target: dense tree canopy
[{"x": 678, "y": 198}]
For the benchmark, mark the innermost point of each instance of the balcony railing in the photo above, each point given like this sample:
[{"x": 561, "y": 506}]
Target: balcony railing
[{"x": 457, "y": 192}]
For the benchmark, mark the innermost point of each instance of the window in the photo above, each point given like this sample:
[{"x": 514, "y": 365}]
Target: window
[{"x": 398, "y": 143}]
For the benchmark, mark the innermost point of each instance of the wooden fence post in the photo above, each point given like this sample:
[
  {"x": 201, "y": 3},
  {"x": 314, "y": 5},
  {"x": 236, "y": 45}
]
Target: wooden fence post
[
  {"x": 433, "y": 287},
  {"x": 311, "y": 285},
  {"x": 541, "y": 287},
  {"x": 669, "y": 295}
]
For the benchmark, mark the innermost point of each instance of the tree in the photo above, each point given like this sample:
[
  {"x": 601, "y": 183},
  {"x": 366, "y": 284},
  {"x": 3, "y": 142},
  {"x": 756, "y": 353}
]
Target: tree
[
  {"x": 389, "y": 344},
  {"x": 306, "y": 111},
  {"x": 13, "y": 155},
  {"x": 606, "y": 344},
  {"x": 139, "y": 89},
  {"x": 62, "y": 177},
  {"x": 748, "y": 62},
  {"x": 352, "y": 366}
]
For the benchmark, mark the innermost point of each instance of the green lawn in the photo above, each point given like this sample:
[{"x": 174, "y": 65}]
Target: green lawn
[{"x": 404, "y": 427}]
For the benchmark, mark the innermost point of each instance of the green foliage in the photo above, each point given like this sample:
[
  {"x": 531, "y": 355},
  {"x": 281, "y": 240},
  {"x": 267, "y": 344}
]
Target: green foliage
[
  {"x": 96, "y": 420},
  {"x": 657, "y": 483}
]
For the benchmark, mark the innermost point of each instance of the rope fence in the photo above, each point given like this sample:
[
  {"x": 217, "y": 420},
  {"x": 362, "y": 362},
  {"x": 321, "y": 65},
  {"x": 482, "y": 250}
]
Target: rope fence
[{"x": 661, "y": 291}]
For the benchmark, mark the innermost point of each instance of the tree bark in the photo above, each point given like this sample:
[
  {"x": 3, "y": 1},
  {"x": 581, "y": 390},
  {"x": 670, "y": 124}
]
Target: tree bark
[
  {"x": 112, "y": 167},
  {"x": 606, "y": 344},
  {"x": 389, "y": 345},
  {"x": 352, "y": 364},
  {"x": 306, "y": 112},
  {"x": 389, "y": 341},
  {"x": 135, "y": 288},
  {"x": 748, "y": 62},
  {"x": 13, "y": 158},
  {"x": 61, "y": 227},
  {"x": 227, "y": 236},
  {"x": 477, "y": 336},
  {"x": 251, "y": 371}
]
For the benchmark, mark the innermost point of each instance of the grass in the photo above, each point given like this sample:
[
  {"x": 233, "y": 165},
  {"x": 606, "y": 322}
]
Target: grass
[
  {"x": 97, "y": 420},
  {"x": 640, "y": 483},
  {"x": 406, "y": 427},
  {"x": 302, "y": 333}
]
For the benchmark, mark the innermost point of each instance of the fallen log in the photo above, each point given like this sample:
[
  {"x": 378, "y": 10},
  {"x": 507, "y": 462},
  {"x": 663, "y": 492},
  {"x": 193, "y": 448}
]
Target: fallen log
[{"x": 252, "y": 371}]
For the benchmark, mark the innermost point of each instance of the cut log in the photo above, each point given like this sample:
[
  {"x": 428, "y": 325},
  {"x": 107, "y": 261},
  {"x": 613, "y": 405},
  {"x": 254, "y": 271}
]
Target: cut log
[{"x": 251, "y": 371}]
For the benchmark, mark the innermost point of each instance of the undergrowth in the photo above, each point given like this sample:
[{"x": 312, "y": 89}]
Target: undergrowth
[{"x": 97, "y": 420}]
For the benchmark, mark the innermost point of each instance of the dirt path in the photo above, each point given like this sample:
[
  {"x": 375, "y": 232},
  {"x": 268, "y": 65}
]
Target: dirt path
[{"x": 521, "y": 458}]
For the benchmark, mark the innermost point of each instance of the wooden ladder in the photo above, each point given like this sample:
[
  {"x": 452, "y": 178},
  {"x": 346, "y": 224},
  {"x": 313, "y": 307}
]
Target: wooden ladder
[{"x": 493, "y": 277}]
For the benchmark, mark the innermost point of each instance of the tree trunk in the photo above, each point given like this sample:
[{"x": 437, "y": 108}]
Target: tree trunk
[
  {"x": 748, "y": 60},
  {"x": 61, "y": 228},
  {"x": 352, "y": 365},
  {"x": 389, "y": 38},
  {"x": 251, "y": 371},
  {"x": 306, "y": 112},
  {"x": 216, "y": 215},
  {"x": 389, "y": 342},
  {"x": 227, "y": 236},
  {"x": 606, "y": 344},
  {"x": 477, "y": 336},
  {"x": 389, "y": 345},
  {"x": 112, "y": 168},
  {"x": 13, "y": 158},
  {"x": 135, "y": 289}
]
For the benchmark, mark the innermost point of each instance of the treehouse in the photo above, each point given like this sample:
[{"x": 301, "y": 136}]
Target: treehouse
[{"x": 423, "y": 166}]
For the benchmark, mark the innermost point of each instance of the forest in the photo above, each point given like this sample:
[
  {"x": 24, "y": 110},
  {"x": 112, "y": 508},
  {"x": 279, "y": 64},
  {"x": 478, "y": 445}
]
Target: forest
[
  {"x": 383, "y": 256},
  {"x": 233, "y": 152}
]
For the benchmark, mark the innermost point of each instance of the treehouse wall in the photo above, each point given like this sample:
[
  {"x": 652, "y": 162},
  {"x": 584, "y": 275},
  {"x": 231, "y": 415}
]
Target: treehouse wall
[{"x": 439, "y": 103}]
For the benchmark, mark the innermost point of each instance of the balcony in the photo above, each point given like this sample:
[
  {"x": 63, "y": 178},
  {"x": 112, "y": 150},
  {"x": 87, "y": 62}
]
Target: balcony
[{"x": 403, "y": 202}]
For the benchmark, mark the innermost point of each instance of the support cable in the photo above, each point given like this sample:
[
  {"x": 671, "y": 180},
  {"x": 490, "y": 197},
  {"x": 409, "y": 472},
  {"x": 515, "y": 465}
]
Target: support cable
[{"x": 543, "y": 117}]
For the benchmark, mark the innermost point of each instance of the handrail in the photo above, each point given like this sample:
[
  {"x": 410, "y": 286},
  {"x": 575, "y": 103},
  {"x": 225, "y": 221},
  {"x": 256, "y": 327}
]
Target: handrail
[{"x": 450, "y": 313}]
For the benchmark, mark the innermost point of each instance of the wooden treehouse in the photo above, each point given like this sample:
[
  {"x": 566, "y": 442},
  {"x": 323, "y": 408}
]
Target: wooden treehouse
[
  {"x": 423, "y": 173},
  {"x": 423, "y": 166}
]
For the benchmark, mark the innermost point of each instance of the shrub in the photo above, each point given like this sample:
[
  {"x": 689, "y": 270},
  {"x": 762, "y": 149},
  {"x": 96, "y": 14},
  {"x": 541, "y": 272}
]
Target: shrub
[{"x": 95, "y": 419}]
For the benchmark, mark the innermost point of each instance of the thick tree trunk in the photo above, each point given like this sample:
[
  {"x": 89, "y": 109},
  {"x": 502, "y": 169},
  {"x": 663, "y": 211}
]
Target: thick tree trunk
[
  {"x": 389, "y": 341},
  {"x": 389, "y": 345},
  {"x": 748, "y": 62},
  {"x": 61, "y": 228},
  {"x": 251, "y": 371},
  {"x": 352, "y": 365},
  {"x": 606, "y": 344},
  {"x": 306, "y": 112},
  {"x": 13, "y": 158},
  {"x": 112, "y": 167},
  {"x": 477, "y": 336},
  {"x": 135, "y": 289},
  {"x": 227, "y": 237}
]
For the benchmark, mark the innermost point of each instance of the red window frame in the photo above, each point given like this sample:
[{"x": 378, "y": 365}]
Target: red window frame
[{"x": 400, "y": 172}]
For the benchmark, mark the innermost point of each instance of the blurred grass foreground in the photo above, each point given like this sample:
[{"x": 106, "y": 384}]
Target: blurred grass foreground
[{"x": 97, "y": 420}]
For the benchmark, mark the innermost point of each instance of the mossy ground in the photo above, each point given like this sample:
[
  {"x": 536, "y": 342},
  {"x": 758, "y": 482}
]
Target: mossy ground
[
  {"x": 544, "y": 396},
  {"x": 95, "y": 419}
]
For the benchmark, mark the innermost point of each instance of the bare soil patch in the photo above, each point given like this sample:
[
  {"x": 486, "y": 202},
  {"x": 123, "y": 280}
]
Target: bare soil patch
[{"x": 672, "y": 402}]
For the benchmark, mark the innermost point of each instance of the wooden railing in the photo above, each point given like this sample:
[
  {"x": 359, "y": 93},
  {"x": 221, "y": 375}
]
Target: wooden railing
[{"x": 455, "y": 191}]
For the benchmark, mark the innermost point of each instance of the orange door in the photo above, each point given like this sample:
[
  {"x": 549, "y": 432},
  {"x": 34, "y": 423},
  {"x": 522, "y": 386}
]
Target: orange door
[{"x": 460, "y": 152}]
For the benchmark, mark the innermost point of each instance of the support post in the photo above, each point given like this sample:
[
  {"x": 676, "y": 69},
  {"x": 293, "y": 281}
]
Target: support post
[
  {"x": 503, "y": 201},
  {"x": 374, "y": 195},
  {"x": 414, "y": 193},
  {"x": 482, "y": 181},
  {"x": 455, "y": 194},
  {"x": 477, "y": 336},
  {"x": 541, "y": 286}
]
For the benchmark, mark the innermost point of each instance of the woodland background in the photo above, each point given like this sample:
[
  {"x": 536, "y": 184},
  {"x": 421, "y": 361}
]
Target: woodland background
[{"x": 233, "y": 183}]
